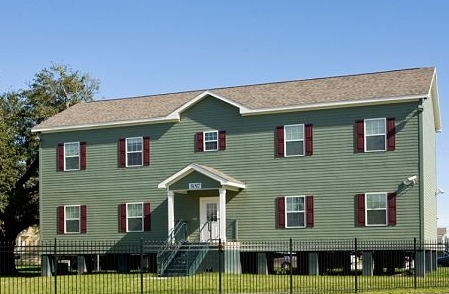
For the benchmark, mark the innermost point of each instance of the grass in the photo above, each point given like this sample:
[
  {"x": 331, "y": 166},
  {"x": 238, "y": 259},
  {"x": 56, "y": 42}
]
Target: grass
[{"x": 436, "y": 282}]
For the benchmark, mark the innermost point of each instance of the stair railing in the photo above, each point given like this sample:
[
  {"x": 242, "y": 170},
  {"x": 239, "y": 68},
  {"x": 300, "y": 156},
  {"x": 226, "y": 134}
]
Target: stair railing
[
  {"x": 199, "y": 248},
  {"x": 175, "y": 239}
]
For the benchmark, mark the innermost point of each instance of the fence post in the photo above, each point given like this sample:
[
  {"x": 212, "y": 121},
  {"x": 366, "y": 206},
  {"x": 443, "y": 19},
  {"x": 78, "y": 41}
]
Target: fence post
[
  {"x": 220, "y": 265},
  {"x": 414, "y": 264},
  {"x": 291, "y": 265},
  {"x": 356, "y": 286},
  {"x": 55, "y": 267},
  {"x": 141, "y": 265}
]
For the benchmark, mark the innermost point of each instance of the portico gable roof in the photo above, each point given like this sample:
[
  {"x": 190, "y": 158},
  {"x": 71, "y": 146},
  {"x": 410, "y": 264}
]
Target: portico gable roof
[{"x": 225, "y": 180}]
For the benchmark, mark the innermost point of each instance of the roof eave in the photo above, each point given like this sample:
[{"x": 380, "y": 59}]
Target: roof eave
[{"x": 433, "y": 93}]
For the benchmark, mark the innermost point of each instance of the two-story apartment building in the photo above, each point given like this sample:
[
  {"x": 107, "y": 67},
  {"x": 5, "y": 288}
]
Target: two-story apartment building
[{"x": 339, "y": 157}]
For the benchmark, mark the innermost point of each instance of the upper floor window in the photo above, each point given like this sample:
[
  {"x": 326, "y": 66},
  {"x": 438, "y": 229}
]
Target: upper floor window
[
  {"x": 134, "y": 151},
  {"x": 294, "y": 140},
  {"x": 71, "y": 156},
  {"x": 210, "y": 141},
  {"x": 376, "y": 209},
  {"x": 72, "y": 219},
  {"x": 376, "y": 134}
]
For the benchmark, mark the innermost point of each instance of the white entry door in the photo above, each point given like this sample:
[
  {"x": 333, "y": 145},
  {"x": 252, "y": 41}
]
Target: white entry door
[{"x": 209, "y": 218}]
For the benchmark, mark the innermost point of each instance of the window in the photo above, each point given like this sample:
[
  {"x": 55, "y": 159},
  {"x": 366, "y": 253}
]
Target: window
[
  {"x": 71, "y": 156},
  {"x": 294, "y": 140},
  {"x": 376, "y": 209},
  {"x": 376, "y": 134},
  {"x": 134, "y": 152},
  {"x": 210, "y": 141},
  {"x": 295, "y": 211},
  {"x": 72, "y": 219},
  {"x": 134, "y": 217}
]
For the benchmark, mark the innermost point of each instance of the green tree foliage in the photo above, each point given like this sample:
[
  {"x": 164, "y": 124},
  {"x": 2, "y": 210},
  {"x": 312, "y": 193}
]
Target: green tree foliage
[{"x": 51, "y": 91}]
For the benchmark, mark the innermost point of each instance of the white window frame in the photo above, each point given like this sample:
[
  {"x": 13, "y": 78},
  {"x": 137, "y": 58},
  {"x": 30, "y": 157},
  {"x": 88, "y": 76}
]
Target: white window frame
[
  {"x": 131, "y": 152},
  {"x": 128, "y": 217},
  {"x": 299, "y": 211},
  {"x": 374, "y": 209},
  {"x": 72, "y": 156},
  {"x": 379, "y": 134},
  {"x": 297, "y": 140},
  {"x": 72, "y": 219},
  {"x": 208, "y": 141}
]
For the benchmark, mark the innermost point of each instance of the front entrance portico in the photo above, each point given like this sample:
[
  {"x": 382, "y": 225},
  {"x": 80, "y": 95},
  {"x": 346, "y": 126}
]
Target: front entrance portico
[{"x": 210, "y": 179}]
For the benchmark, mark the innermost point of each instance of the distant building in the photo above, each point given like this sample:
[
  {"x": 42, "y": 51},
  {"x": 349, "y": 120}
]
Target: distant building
[{"x": 442, "y": 235}]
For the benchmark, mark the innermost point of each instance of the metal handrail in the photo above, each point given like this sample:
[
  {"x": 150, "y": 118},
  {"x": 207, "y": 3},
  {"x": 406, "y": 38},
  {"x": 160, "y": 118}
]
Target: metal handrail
[
  {"x": 175, "y": 239},
  {"x": 199, "y": 246}
]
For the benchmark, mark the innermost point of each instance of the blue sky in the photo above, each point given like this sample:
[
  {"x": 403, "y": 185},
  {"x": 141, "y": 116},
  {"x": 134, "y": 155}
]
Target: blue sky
[{"x": 149, "y": 47}]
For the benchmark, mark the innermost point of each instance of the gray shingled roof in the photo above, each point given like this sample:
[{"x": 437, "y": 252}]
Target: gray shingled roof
[{"x": 342, "y": 89}]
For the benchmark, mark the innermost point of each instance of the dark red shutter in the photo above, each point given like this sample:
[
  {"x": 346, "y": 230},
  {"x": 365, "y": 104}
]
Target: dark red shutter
[
  {"x": 83, "y": 213},
  {"x": 199, "y": 142},
  {"x": 359, "y": 136},
  {"x": 121, "y": 152},
  {"x": 281, "y": 212},
  {"x": 392, "y": 209},
  {"x": 309, "y": 211},
  {"x": 122, "y": 218},
  {"x": 83, "y": 162},
  {"x": 309, "y": 139},
  {"x": 60, "y": 157},
  {"x": 222, "y": 140},
  {"x": 391, "y": 130},
  {"x": 146, "y": 151},
  {"x": 146, "y": 217},
  {"x": 60, "y": 219},
  {"x": 361, "y": 209},
  {"x": 280, "y": 141}
]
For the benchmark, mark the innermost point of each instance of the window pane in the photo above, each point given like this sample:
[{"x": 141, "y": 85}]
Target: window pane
[
  {"x": 72, "y": 212},
  {"x": 135, "y": 224},
  {"x": 294, "y": 132},
  {"x": 295, "y": 204},
  {"x": 211, "y": 146},
  {"x": 377, "y": 217},
  {"x": 375, "y": 201},
  {"x": 134, "y": 144},
  {"x": 294, "y": 148},
  {"x": 135, "y": 210},
  {"x": 375, "y": 142},
  {"x": 135, "y": 158},
  {"x": 72, "y": 226},
  {"x": 295, "y": 219},
  {"x": 375, "y": 126},
  {"x": 210, "y": 136},
  {"x": 72, "y": 163},
  {"x": 72, "y": 149}
]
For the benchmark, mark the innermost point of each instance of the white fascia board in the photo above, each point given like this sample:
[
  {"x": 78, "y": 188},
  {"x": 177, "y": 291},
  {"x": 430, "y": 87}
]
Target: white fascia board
[
  {"x": 105, "y": 125},
  {"x": 175, "y": 177},
  {"x": 433, "y": 93},
  {"x": 342, "y": 104}
]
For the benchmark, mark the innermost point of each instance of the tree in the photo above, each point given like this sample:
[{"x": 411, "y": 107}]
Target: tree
[{"x": 51, "y": 91}]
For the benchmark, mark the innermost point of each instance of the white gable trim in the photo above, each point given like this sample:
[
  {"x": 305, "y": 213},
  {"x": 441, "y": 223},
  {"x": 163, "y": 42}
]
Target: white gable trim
[{"x": 195, "y": 167}]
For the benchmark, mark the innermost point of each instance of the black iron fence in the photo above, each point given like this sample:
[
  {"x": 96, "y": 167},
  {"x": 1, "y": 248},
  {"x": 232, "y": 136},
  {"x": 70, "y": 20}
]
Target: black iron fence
[{"x": 293, "y": 266}]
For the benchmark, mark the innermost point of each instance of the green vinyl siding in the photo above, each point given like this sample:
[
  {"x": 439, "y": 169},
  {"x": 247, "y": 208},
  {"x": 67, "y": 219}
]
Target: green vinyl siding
[
  {"x": 195, "y": 177},
  {"x": 333, "y": 175}
]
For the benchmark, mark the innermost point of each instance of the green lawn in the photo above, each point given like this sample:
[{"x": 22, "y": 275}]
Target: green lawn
[{"x": 438, "y": 282}]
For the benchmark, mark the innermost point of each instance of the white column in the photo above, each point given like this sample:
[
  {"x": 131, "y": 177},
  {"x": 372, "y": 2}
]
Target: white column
[
  {"x": 222, "y": 214},
  {"x": 171, "y": 210}
]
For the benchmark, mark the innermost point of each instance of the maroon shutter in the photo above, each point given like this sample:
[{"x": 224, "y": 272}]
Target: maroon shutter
[
  {"x": 82, "y": 155},
  {"x": 121, "y": 152},
  {"x": 60, "y": 157},
  {"x": 280, "y": 141},
  {"x": 391, "y": 130},
  {"x": 392, "y": 209},
  {"x": 309, "y": 139},
  {"x": 222, "y": 140},
  {"x": 83, "y": 213},
  {"x": 60, "y": 219},
  {"x": 309, "y": 211},
  {"x": 199, "y": 142},
  {"x": 281, "y": 212},
  {"x": 359, "y": 136},
  {"x": 146, "y": 217},
  {"x": 122, "y": 218},
  {"x": 146, "y": 151},
  {"x": 361, "y": 209}
]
